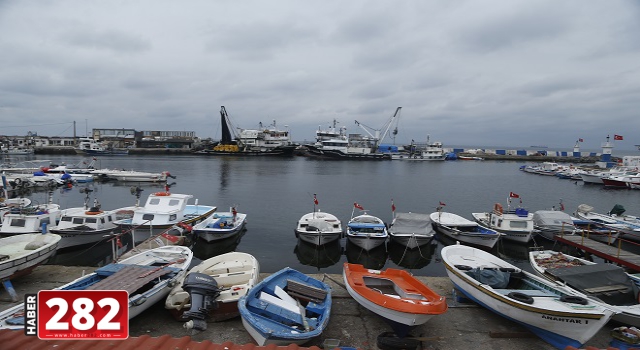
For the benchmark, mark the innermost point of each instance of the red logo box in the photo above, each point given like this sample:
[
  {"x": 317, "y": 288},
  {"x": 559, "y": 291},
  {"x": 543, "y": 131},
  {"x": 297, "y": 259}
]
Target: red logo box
[{"x": 83, "y": 314}]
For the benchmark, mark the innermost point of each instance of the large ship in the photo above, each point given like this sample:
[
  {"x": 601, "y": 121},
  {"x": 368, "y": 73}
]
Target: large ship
[{"x": 264, "y": 141}]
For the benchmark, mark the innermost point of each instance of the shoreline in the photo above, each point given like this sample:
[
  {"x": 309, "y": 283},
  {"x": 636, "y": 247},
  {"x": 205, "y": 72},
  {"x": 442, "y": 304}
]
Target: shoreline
[{"x": 464, "y": 325}]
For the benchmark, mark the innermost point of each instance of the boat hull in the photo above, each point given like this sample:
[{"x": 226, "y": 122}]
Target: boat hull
[
  {"x": 480, "y": 240},
  {"x": 367, "y": 242},
  {"x": 394, "y": 295},
  {"x": 411, "y": 241},
  {"x": 556, "y": 322},
  {"x": 269, "y": 318},
  {"x": 20, "y": 261},
  {"x": 318, "y": 238}
]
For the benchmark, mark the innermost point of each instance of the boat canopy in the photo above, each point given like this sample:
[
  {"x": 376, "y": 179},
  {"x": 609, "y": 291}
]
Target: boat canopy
[
  {"x": 412, "y": 223},
  {"x": 318, "y": 225},
  {"x": 552, "y": 219},
  {"x": 618, "y": 209},
  {"x": 365, "y": 225},
  {"x": 605, "y": 281}
]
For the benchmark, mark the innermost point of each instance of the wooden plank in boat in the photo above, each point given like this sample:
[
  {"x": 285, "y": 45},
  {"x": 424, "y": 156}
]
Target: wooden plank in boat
[
  {"x": 305, "y": 292},
  {"x": 603, "y": 289},
  {"x": 130, "y": 278}
]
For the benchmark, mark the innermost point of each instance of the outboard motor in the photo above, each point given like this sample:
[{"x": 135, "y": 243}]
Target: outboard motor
[{"x": 203, "y": 290}]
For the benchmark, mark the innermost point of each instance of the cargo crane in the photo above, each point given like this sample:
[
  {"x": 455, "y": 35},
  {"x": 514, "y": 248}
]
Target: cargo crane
[{"x": 386, "y": 127}]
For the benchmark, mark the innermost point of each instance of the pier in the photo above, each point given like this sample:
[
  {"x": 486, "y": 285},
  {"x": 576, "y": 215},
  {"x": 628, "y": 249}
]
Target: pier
[{"x": 613, "y": 253}]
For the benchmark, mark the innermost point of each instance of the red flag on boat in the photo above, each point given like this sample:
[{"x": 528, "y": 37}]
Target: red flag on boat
[
  {"x": 580, "y": 140},
  {"x": 118, "y": 242},
  {"x": 170, "y": 238},
  {"x": 513, "y": 195},
  {"x": 442, "y": 204},
  {"x": 315, "y": 200},
  {"x": 358, "y": 206},
  {"x": 393, "y": 206},
  {"x": 618, "y": 137}
]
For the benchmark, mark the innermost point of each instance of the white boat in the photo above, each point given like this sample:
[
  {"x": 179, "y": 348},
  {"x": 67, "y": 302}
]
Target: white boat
[
  {"x": 147, "y": 276},
  {"x": 366, "y": 231},
  {"x": 87, "y": 224},
  {"x": 137, "y": 176},
  {"x": 164, "y": 210},
  {"x": 411, "y": 229},
  {"x": 558, "y": 315},
  {"x": 516, "y": 224},
  {"x": 234, "y": 273},
  {"x": 628, "y": 226},
  {"x": 20, "y": 254},
  {"x": 318, "y": 228},
  {"x": 551, "y": 223},
  {"x": 19, "y": 219},
  {"x": 418, "y": 152},
  {"x": 464, "y": 230},
  {"x": 605, "y": 283},
  {"x": 220, "y": 225}
]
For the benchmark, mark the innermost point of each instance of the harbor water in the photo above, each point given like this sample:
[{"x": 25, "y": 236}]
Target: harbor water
[{"x": 276, "y": 192}]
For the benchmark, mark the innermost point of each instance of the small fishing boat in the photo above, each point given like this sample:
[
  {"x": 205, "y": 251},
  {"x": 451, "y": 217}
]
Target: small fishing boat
[
  {"x": 366, "y": 231},
  {"x": 411, "y": 229},
  {"x": 220, "y": 225},
  {"x": 464, "y": 231},
  {"x": 164, "y": 210},
  {"x": 285, "y": 308},
  {"x": 21, "y": 219},
  {"x": 147, "y": 277},
  {"x": 234, "y": 273},
  {"x": 318, "y": 228},
  {"x": 615, "y": 220},
  {"x": 552, "y": 223},
  {"x": 395, "y": 295},
  {"x": 559, "y": 315},
  {"x": 605, "y": 283},
  {"x": 516, "y": 224},
  {"x": 87, "y": 224},
  {"x": 20, "y": 254}
]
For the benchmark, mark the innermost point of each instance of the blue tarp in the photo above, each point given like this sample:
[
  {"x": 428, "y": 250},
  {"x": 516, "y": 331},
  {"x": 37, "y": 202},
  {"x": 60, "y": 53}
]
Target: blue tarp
[{"x": 387, "y": 148}]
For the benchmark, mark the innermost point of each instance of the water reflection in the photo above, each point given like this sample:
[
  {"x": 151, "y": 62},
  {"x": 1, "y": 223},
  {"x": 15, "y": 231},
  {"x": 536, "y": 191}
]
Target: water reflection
[
  {"x": 319, "y": 256},
  {"x": 96, "y": 255},
  {"x": 372, "y": 259},
  {"x": 204, "y": 250},
  {"x": 411, "y": 258}
]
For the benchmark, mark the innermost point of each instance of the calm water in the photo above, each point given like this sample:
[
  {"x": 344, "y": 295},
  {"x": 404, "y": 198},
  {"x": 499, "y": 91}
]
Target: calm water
[{"x": 275, "y": 192}]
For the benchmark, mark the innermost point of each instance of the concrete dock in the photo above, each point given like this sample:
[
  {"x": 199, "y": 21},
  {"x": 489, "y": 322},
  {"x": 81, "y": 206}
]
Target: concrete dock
[{"x": 463, "y": 326}]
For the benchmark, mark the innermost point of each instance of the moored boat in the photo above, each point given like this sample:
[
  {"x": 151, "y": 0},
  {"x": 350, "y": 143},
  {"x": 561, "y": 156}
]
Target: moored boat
[
  {"x": 516, "y": 224},
  {"x": 285, "y": 308},
  {"x": 318, "y": 228},
  {"x": 220, "y": 225},
  {"x": 558, "y": 315},
  {"x": 465, "y": 231},
  {"x": 605, "y": 283},
  {"x": 395, "y": 295},
  {"x": 411, "y": 229},
  {"x": 146, "y": 276},
  {"x": 20, "y": 254},
  {"x": 234, "y": 273},
  {"x": 366, "y": 231}
]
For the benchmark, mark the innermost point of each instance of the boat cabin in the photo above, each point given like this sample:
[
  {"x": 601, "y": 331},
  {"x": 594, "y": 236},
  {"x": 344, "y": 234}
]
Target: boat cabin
[{"x": 161, "y": 208}]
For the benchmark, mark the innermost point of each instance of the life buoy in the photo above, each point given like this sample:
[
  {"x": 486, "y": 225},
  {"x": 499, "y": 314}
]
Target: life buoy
[
  {"x": 93, "y": 212},
  {"x": 161, "y": 194},
  {"x": 521, "y": 297},
  {"x": 497, "y": 208},
  {"x": 572, "y": 299}
]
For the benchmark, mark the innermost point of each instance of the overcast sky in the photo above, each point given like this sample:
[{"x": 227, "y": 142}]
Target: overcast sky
[{"x": 485, "y": 73}]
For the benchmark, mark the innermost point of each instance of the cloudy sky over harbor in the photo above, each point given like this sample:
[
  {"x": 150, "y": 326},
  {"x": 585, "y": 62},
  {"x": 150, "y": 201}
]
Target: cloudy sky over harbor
[{"x": 500, "y": 72}]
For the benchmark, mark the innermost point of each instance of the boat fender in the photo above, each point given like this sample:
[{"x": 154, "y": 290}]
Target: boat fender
[
  {"x": 497, "y": 208},
  {"x": 93, "y": 212},
  {"x": 508, "y": 269},
  {"x": 463, "y": 267},
  {"x": 161, "y": 194},
  {"x": 572, "y": 299},
  {"x": 521, "y": 297}
]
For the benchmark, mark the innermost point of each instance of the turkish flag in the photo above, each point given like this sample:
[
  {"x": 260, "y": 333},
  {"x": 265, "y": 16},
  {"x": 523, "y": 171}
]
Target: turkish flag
[
  {"x": 315, "y": 200},
  {"x": 618, "y": 137},
  {"x": 358, "y": 206},
  {"x": 514, "y": 195}
]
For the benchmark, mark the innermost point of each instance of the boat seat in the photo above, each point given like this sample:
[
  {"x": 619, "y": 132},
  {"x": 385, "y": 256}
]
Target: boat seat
[
  {"x": 110, "y": 269},
  {"x": 611, "y": 288},
  {"x": 227, "y": 268},
  {"x": 275, "y": 313},
  {"x": 529, "y": 292}
]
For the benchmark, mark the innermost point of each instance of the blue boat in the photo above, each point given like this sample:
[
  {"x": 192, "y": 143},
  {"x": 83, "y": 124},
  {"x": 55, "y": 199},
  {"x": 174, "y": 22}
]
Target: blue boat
[{"x": 285, "y": 308}]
